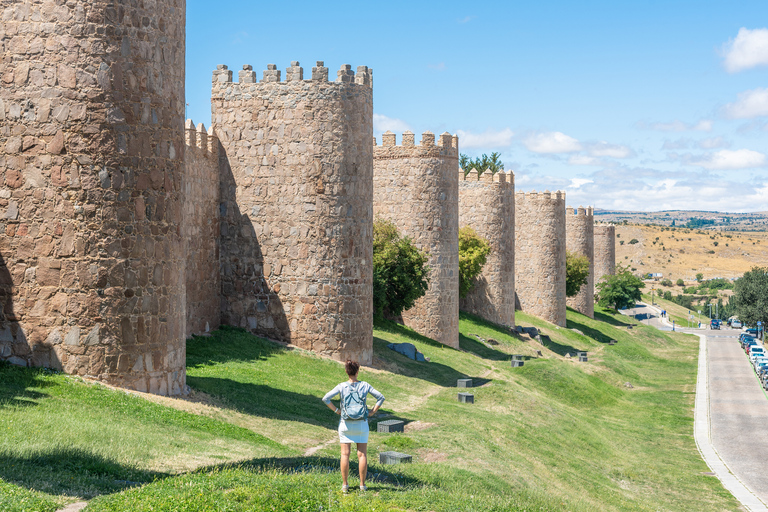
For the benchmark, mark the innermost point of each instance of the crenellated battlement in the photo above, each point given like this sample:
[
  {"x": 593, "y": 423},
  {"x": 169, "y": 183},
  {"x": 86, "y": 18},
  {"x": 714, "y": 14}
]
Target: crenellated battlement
[
  {"x": 446, "y": 145},
  {"x": 200, "y": 138},
  {"x": 589, "y": 211},
  {"x": 506, "y": 179},
  {"x": 540, "y": 196},
  {"x": 222, "y": 75}
]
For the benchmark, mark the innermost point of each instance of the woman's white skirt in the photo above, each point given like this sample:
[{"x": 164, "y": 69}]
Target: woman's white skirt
[{"x": 353, "y": 431}]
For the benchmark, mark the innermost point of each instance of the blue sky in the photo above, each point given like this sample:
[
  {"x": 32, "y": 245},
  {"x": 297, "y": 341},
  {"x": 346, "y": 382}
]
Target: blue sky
[{"x": 643, "y": 105}]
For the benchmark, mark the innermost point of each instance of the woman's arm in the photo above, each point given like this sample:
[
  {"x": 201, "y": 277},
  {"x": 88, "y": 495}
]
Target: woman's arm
[
  {"x": 331, "y": 394},
  {"x": 379, "y": 399}
]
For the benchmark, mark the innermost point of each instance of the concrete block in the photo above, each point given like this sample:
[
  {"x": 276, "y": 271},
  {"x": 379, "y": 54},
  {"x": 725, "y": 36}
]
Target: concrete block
[
  {"x": 612, "y": 342},
  {"x": 464, "y": 383},
  {"x": 390, "y": 426},
  {"x": 582, "y": 359},
  {"x": 518, "y": 357},
  {"x": 516, "y": 363},
  {"x": 394, "y": 458},
  {"x": 466, "y": 398}
]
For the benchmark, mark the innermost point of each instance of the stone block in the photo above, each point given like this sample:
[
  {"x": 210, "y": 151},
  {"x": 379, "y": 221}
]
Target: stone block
[
  {"x": 517, "y": 363},
  {"x": 612, "y": 342},
  {"x": 394, "y": 458},
  {"x": 464, "y": 383},
  {"x": 466, "y": 398},
  {"x": 583, "y": 359},
  {"x": 391, "y": 426}
]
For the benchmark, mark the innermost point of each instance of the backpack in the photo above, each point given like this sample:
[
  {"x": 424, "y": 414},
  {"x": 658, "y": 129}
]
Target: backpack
[{"x": 353, "y": 405}]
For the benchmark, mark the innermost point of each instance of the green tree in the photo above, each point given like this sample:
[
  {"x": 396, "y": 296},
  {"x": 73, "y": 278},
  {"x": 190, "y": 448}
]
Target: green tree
[
  {"x": 680, "y": 282},
  {"x": 621, "y": 290},
  {"x": 400, "y": 271},
  {"x": 666, "y": 282},
  {"x": 576, "y": 272},
  {"x": 482, "y": 163},
  {"x": 699, "y": 277},
  {"x": 473, "y": 251},
  {"x": 750, "y": 296}
]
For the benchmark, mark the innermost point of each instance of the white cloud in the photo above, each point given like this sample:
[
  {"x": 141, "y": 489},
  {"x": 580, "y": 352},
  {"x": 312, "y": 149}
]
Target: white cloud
[
  {"x": 488, "y": 139},
  {"x": 610, "y": 150},
  {"x": 748, "y": 50},
  {"x": 713, "y": 143},
  {"x": 578, "y": 182},
  {"x": 749, "y": 104},
  {"x": 552, "y": 142},
  {"x": 583, "y": 160},
  {"x": 703, "y": 125},
  {"x": 727, "y": 159},
  {"x": 382, "y": 123}
]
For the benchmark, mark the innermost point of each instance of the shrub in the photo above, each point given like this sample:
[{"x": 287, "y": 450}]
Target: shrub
[
  {"x": 634, "y": 241},
  {"x": 621, "y": 242},
  {"x": 621, "y": 290},
  {"x": 400, "y": 271},
  {"x": 667, "y": 295},
  {"x": 576, "y": 273},
  {"x": 473, "y": 251},
  {"x": 680, "y": 282}
]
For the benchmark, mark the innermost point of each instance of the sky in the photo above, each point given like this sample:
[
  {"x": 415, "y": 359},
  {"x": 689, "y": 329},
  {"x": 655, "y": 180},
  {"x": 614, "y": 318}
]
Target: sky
[{"x": 645, "y": 105}]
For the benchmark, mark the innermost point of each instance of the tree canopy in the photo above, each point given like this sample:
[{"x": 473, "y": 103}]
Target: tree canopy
[
  {"x": 576, "y": 273},
  {"x": 473, "y": 251},
  {"x": 620, "y": 291},
  {"x": 751, "y": 296},
  {"x": 482, "y": 163}
]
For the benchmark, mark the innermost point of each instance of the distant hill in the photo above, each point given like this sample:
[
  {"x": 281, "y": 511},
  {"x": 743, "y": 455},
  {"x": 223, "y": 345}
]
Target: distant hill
[{"x": 718, "y": 221}]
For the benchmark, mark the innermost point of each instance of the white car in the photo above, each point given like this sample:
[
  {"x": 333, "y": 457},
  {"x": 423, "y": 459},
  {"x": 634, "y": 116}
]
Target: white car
[
  {"x": 736, "y": 324},
  {"x": 756, "y": 352}
]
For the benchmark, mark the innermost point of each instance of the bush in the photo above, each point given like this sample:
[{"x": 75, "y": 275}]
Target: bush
[
  {"x": 680, "y": 282},
  {"x": 473, "y": 251},
  {"x": 667, "y": 295},
  {"x": 690, "y": 289},
  {"x": 666, "y": 282},
  {"x": 699, "y": 277},
  {"x": 400, "y": 271},
  {"x": 750, "y": 296},
  {"x": 576, "y": 273},
  {"x": 621, "y": 290},
  {"x": 634, "y": 241}
]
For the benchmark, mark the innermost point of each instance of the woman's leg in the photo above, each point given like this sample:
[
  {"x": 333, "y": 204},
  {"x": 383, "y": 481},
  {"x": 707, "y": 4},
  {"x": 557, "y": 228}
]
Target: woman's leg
[
  {"x": 345, "y": 448},
  {"x": 362, "y": 461}
]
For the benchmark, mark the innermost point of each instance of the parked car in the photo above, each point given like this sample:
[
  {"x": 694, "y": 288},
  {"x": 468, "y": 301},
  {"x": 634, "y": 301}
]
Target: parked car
[
  {"x": 756, "y": 352},
  {"x": 714, "y": 324},
  {"x": 754, "y": 347},
  {"x": 752, "y": 331},
  {"x": 746, "y": 340},
  {"x": 736, "y": 324}
]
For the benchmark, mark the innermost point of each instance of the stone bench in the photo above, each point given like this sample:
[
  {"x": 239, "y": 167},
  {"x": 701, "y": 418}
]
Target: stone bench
[
  {"x": 464, "y": 383},
  {"x": 583, "y": 359},
  {"x": 516, "y": 363},
  {"x": 466, "y": 398},
  {"x": 390, "y": 426},
  {"x": 612, "y": 342},
  {"x": 394, "y": 458}
]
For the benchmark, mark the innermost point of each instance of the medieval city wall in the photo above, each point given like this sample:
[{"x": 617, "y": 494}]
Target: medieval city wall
[
  {"x": 91, "y": 155},
  {"x": 605, "y": 251},
  {"x": 416, "y": 187},
  {"x": 487, "y": 205},
  {"x": 540, "y": 255},
  {"x": 201, "y": 229},
  {"x": 296, "y": 206},
  {"x": 580, "y": 239}
]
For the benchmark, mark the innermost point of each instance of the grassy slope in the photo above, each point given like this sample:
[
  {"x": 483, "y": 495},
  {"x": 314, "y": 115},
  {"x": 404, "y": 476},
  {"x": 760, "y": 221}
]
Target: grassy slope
[
  {"x": 679, "y": 313},
  {"x": 553, "y": 435}
]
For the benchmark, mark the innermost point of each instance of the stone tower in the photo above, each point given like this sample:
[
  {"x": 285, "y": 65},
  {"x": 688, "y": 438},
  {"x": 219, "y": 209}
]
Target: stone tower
[
  {"x": 296, "y": 206},
  {"x": 487, "y": 205},
  {"x": 91, "y": 151},
  {"x": 416, "y": 187},
  {"x": 540, "y": 255},
  {"x": 580, "y": 239},
  {"x": 605, "y": 251}
]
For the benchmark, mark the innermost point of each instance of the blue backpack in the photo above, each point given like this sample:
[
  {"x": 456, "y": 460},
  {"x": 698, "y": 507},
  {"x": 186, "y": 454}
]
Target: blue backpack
[{"x": 353, "y": 405}]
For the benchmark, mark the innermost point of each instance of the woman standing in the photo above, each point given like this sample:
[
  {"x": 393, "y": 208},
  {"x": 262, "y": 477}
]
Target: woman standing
[{"x": 353, "y": 425}]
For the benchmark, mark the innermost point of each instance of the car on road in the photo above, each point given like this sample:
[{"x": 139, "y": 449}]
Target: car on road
[
  {"x": 735, "y": 324},
  {"x": 751, "y": 331},
  {"x": 755, "y": 349},
  {"x": 714, "y": 324}
]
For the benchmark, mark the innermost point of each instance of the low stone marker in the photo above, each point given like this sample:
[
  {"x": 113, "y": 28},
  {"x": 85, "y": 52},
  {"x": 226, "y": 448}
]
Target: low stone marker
[
  {"x": 581, "y": 353},
  {"x": 391, "y": 426},
  {"x": 582, "y": 359},
  {"x": 464, "y": 383},
  {"x": 466, "y": 398},
  {"x": 394, "y": 458},
  {"x": 612, "y": 342},
  {"x": 517, "y": 361},
  {"x": 629, "y": 326}
]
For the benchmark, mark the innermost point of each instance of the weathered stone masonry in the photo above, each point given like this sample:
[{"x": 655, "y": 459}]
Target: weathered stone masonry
[
  {"x": 416, "y": 187},
  {"x": 296, "y": 206},
  {"x": 605, "y": 251},
  {"x": 540, "y": 255},
  {"x": 91, "y": 156},
  {"x": 580, "y": 239},
  {"x": 487, "y": 204},
  {"x": 201, "y": 229}
]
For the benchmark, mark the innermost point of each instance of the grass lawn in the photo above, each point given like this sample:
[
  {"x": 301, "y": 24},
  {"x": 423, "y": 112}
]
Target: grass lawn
[{"x": 612, "y": 434}]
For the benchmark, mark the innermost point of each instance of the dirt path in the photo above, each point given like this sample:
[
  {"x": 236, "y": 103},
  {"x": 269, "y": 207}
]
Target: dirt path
[{"x": 74, "y": 507}]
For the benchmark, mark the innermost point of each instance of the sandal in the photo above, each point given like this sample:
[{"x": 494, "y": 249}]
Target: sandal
[
  {"x": 363, "y": 488},
  {"x": 345, "y": 489}
]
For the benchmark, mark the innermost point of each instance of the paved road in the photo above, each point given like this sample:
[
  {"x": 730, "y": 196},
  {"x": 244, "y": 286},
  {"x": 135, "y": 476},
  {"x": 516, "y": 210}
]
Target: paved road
[{"x": 738, "y": 410}]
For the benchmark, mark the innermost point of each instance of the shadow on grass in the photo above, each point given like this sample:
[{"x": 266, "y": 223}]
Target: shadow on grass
[
  {"x": 589, "y": 332},
  {"x": 228, "y": 344},
  {"x": 74, "y": 472},
  {"x": 431, "y": 371},
  {"x": 16, "y": 383},
  {"x": 480, "y": 350},
  {"x": 612, "y": 320},
  {"x": 556, "y": 347}
]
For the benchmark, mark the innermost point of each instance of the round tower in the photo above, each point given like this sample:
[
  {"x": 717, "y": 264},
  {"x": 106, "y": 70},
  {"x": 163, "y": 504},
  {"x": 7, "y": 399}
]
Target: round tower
[
  {"x": 416, "y": 187},
  {"x": 580, "y": 239},
  {"x": 296, "y": 194},
  {"x": 540, "y": 255},
  {"x": 91, "y": 150},
  {"x": 605, "y": 251},
  {"x": 487, "y": 205}
]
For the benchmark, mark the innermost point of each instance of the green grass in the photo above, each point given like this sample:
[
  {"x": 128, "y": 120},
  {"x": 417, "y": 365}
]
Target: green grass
[
  {"x": 679, "y": 313},
  {"x": 553, "y": 435}
]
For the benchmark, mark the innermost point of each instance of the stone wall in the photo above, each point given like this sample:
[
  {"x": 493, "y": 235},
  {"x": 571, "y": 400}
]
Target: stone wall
[
  {"x": 296, "y": 215},
  {"x": 605, "y": 251},
  {"x": 580, "y": 239},
  {"x": 540, "y": 255},
  {"x": 91, "y": 156},
  {"x": 416, "y": 187},
  {"x": 201, "y": 229},
  {"x": 487, "y": 205}
]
